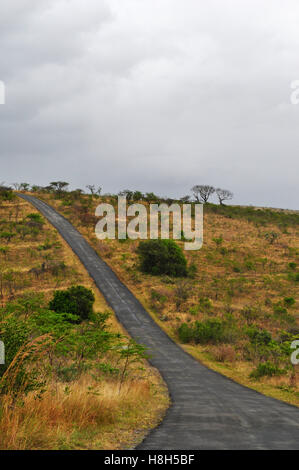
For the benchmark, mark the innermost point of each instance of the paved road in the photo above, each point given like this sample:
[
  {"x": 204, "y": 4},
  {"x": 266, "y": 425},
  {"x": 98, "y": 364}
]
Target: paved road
[{"x": 209, "y": 411}]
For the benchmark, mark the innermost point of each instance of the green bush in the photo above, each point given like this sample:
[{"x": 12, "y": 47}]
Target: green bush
[
  {"x": 250, "y": 313},
  {"x": 266, "y": 369},
  {"x": 6, "y": 194},
  {"x": 259, "y": 336},
  {"x": 14, "y": 334},
  {"x": 292, "y": 265},
  {"x": 7, "y": 236},
  {"x": 205, "y": 304},
  {"x": 76, "y": 300},
  {"x": 289, "y": 301},
  {"x": 209, "y": 331},
  {"x": 218, "y": 241},
  {"x": 34, "y": 217},
  {"x": 162, "y": 257},
  {"x": 293, "y": 277},
  {"x": 212, "y": 331},
  {"x": 278, "y": 309},
  {"x": 186, "y": 333}
]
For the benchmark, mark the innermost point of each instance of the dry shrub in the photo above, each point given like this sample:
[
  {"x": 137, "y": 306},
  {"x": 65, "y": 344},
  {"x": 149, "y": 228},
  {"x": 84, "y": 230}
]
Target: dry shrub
[
  {"x": 182, "y": 292},
  {"x": 104, "y": 250},
  {"x": 133, "y": 247},
  {"x": 159, "y": 298},
  {"x": 224, "y": 353}
]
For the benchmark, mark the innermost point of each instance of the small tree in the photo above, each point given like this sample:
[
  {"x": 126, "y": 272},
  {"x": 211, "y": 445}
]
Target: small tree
[
  {"x": 224, "y": 195},
  {"x": 130, "y": 353},
  {"x": 162, "y": 257},
  {"x": 202, "y": 193}
]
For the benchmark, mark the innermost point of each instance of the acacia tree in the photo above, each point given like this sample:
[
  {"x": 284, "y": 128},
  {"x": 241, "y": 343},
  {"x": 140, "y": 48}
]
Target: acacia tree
[
  {"x": 59, "y": 186},
  {"x": 185, "y": 199},
  {"x": 35, "y": 188},
  {"x": 151, "y": 197},
  {"x": 24, "y": 186},
  {"x": 127, "y": 193},
  {"x": 137, "y": 196},
  {"x": 202, "y": 192},
  {"x": 21, "y": 186},
  {"x": 224, "y": 195}
]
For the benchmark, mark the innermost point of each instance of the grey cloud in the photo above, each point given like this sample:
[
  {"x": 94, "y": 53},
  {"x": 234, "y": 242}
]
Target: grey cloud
[{"x": 154, "y": 95}]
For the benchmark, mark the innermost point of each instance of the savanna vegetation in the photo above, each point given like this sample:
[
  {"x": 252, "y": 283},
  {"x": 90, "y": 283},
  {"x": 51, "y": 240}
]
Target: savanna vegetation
[
  {"x": 72, "y": 378},
  {"x": 235, "y": 306}
]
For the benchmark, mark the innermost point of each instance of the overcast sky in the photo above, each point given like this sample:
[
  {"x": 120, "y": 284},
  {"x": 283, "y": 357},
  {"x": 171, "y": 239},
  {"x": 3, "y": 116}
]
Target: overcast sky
[{"x": 156, "y": 95}]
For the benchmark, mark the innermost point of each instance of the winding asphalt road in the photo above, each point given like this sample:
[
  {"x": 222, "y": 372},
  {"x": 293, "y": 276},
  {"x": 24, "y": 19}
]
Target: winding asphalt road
[{"x": 209, "y": 411}]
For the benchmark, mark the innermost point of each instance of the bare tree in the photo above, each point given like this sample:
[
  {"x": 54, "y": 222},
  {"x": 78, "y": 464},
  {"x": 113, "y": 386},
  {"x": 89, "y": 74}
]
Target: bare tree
[
  {"x": 91, "y": 188},
  {"x": 202, "y": 192},
  {"x": 224, "y": 195}
]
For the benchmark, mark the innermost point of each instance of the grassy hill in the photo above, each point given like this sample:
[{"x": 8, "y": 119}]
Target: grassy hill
[
  {"x": 61, "y": 385},
  {"x": 237, "y": 311}
]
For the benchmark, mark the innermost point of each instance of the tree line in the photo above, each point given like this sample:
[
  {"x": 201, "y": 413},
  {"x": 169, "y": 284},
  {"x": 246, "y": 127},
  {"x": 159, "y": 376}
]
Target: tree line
[{"x": 200, "y": 193}]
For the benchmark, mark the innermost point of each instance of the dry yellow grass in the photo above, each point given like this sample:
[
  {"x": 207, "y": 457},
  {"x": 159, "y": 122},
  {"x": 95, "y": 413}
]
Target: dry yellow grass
[{"x": 84, "y": 415}]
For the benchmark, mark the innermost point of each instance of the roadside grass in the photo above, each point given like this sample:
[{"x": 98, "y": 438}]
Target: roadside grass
[
  {"x": 85, "y": 415},
  {"x": 88, "y": 412},
  {"x": 246, "y": 276}
]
